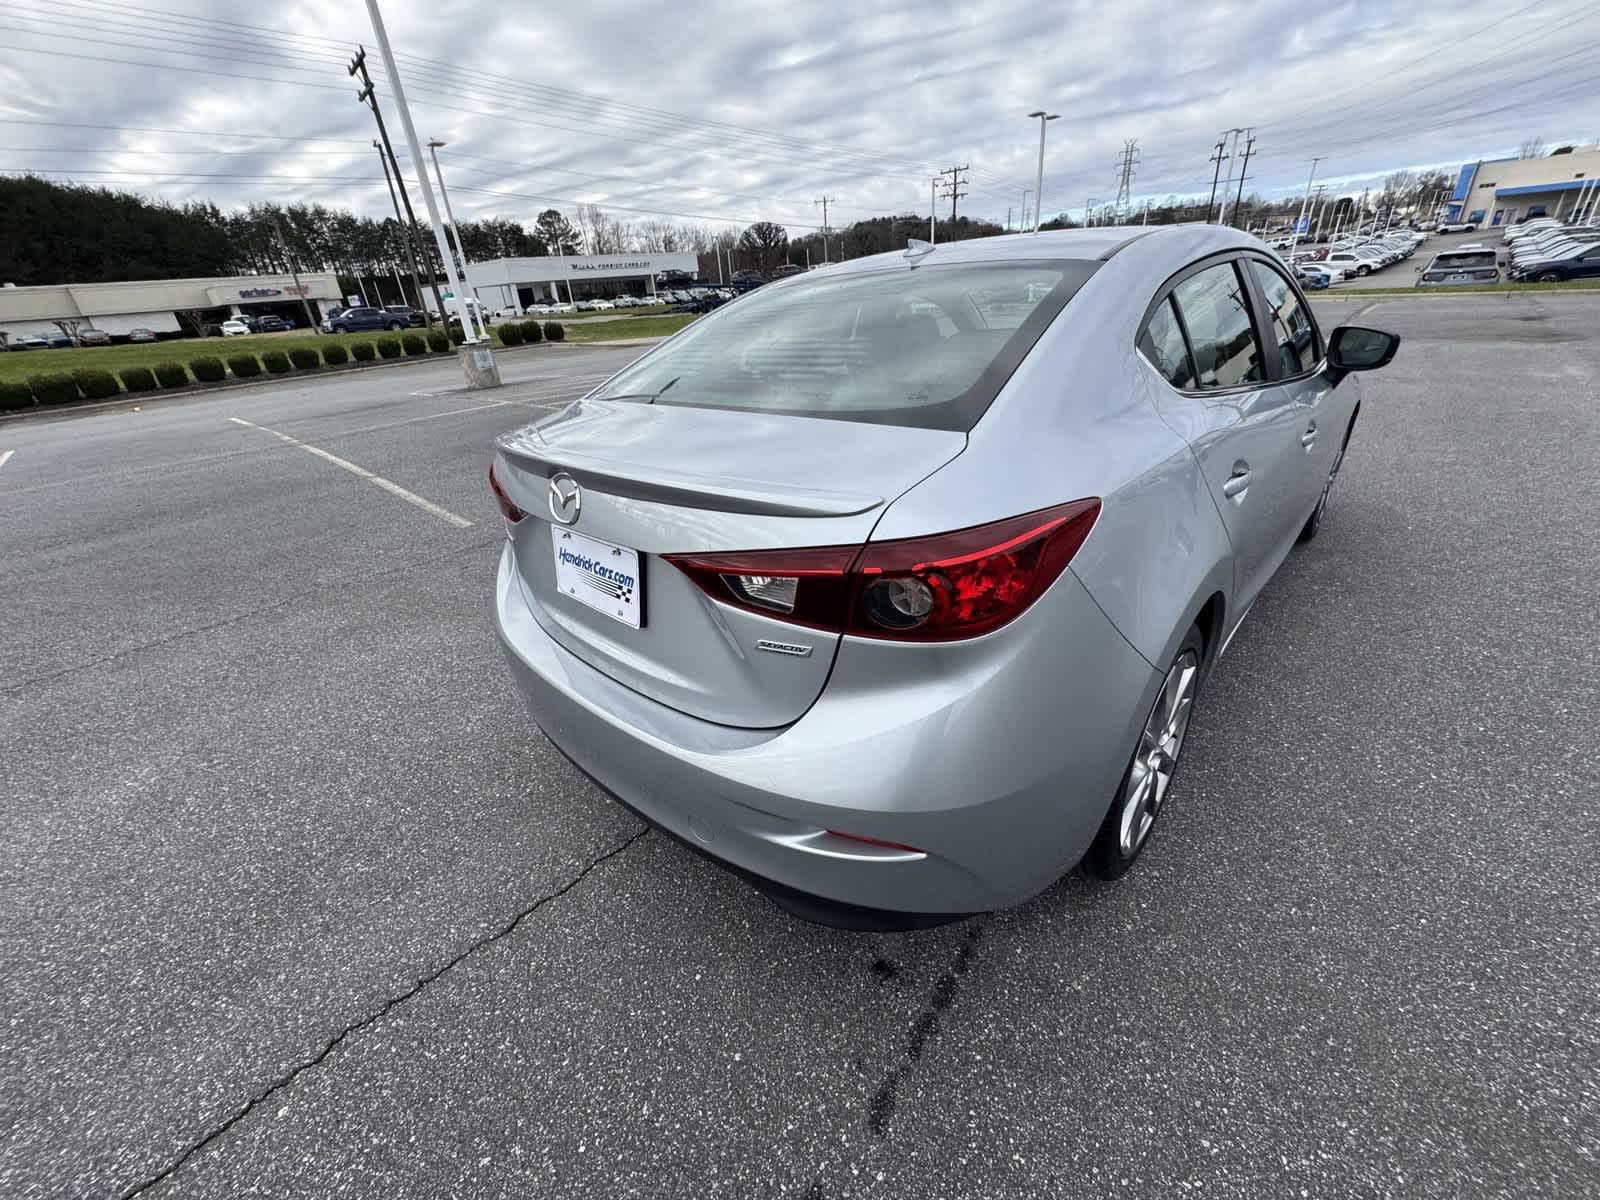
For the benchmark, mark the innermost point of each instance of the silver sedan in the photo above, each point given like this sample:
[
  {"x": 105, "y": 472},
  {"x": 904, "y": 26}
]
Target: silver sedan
[{"x": 893, "y": 585}]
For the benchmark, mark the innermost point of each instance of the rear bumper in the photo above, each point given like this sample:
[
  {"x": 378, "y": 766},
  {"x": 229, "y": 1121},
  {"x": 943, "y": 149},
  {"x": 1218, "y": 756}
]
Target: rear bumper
[{"x": 996, "y": 759}]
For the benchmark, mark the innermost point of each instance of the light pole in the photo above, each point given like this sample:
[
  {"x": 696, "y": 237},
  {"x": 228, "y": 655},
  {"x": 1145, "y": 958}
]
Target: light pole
[
  {"x": 1294, "y": 238},
  {"x": 481, "y": 372},
  {"x": 471, "y": 320},
  {"x": 1038, "y": 180},
  {"x": 1088, "y": 211}
]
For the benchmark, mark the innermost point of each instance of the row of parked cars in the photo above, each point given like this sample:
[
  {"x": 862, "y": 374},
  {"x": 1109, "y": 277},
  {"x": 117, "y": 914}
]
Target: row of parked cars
[
  {"x": 661, "y": 299},
  {"x": 1353, "y": 256},
  {"x": 1544, "y": 250},
  {"x": 56, "y": 340}
]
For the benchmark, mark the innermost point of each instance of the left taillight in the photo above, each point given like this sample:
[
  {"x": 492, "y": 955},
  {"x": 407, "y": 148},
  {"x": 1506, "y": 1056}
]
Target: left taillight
[
  {"x": 931, "y": 589},
  {"x": 508, "y": 509}
]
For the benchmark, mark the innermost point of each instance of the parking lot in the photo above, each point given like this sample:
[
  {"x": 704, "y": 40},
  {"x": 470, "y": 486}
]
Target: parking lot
[
  {"x": 298, "y": 901},
  {"x": 1404, "y": 272}
]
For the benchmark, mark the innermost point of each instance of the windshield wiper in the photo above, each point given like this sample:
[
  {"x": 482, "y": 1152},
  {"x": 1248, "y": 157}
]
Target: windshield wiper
[{"x": 647, "y": 397}]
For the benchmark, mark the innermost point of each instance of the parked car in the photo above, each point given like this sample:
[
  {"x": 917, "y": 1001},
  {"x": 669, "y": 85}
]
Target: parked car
[
  {"x": 234, "y": 328},
  {"x": 413, "y": 317},
  {"x": 140, "y": 336},
  {"x": 510, "y": 310},
  {"x": 357, "y": 320},
  {"x": 837, "y": 590},
  {"x": 1581, "y": 262},
  {"x": 1458, "y": 227},
  {"x": 1359, "y": 262},
  {"x": 1456, "y": 268},
  {"x": 272, "y": 323},
  {"x": 27, "y": 341},
  {"x": 93, "y": 337},
  {"x": 1312, "y": 278}
]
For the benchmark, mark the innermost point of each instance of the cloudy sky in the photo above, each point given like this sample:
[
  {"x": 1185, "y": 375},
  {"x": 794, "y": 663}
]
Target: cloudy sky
[{"x": 716, "y": 110}]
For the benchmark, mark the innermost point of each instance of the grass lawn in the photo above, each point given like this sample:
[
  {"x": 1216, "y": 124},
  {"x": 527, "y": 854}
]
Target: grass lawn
[
  {"x": 633, "y": 327},
  {"x": 1576, "y": 285}
]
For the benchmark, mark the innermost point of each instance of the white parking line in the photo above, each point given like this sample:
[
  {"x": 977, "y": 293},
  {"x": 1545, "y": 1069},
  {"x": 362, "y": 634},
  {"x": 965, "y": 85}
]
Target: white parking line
[
  {"x": 394, "y": 489},
  {"x": 5, "y": 455}
]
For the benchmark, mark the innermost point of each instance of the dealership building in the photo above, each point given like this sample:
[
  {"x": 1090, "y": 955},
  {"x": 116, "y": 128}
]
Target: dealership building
[
  {"x": 162, "y": 305},
  {"x": 504, "y": 282},
  {"x": 1503, "y": 191}
]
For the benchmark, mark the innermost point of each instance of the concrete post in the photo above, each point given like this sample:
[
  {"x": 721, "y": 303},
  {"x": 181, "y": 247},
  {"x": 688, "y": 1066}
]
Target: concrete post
[{"x": 478, "y": 365}]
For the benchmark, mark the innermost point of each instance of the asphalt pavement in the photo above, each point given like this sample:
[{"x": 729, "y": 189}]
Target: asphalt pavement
[{"x": 297, "y": 901}]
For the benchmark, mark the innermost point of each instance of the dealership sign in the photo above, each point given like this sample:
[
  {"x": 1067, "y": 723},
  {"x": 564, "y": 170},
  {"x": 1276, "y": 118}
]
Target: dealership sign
[
  {"x": 638, "y": 264},
  {"x": 248, "y": 293}
]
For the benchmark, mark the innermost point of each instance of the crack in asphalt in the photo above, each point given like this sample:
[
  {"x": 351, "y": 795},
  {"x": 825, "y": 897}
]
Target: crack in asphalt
[
  {"x": 378, "y": 1014},
  {"x": 881, "y": 1109}
]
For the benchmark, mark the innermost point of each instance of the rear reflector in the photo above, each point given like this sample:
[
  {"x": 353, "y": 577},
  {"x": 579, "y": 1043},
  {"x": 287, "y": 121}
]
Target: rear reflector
[
  {"x": 872, "y": 841},
  {"x": 930, "y": 589},
  {"x": 507, "y": 509}
]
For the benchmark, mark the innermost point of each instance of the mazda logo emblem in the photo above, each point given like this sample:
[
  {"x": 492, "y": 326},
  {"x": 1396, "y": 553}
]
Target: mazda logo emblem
[{"x": 566, "y": 498}]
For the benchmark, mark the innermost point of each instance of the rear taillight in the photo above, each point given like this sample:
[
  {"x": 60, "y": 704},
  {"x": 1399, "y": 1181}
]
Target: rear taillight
[
  {"x": 939, "y": 588},
  {"x": 507, "y": 509}
]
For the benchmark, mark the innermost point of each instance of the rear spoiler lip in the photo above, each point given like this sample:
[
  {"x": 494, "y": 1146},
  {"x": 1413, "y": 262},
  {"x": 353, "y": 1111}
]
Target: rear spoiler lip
[{"x": 685, "y": 488}]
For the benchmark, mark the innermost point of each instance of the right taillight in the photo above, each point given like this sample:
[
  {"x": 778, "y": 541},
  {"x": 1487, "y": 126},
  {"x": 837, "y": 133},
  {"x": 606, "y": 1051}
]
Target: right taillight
[{"x": 940, "y": 588}]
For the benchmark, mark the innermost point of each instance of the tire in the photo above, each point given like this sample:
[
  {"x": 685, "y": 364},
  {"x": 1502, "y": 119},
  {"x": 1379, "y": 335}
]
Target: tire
[
  {"x": 1470, "y": 229},
  {"x": 393, "y": 325},
  {"x": 341, "y": 329},
  {"x": 1125, "y": 832},
  {"x": 1548, "y": 277},
  {"x": 1363, "y": 271}
]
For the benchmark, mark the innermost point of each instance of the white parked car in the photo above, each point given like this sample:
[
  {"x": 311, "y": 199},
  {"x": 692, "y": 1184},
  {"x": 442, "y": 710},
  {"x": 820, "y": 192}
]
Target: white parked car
[
  {"x": 234, "y": 328},
  {"x": 1359, "y": 262},
  {"x": 562, "y": 306},
  {"x": 537, "y": 310},
  {"x": 1459, "y": 227}
]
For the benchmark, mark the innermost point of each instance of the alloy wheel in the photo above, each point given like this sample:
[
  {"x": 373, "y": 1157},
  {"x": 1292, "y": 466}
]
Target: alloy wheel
[{"x": 1150, "y": 773}]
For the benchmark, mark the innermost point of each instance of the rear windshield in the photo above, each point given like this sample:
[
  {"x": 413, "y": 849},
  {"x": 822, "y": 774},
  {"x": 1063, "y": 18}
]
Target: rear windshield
[
  {"x": 928, "y": 346},
  {"x": 1459, "y": 261}
]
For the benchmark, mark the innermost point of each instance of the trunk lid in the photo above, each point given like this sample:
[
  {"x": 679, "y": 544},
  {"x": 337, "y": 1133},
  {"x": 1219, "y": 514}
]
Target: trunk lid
[{"x": 678, "y": 480}]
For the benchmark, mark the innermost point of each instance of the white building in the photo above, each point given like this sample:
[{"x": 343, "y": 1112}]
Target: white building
[
  {"x": 161, "y": 305},
  {"x": 524, "y": 281},
  {"x": 1503, "y": 191}
]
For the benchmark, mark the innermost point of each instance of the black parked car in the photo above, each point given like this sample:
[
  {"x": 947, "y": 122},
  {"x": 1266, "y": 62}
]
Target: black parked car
[
  {"x": 272, "y": 323},
  {"x": 355, "y": 320},
  {"x": 412, "y": 316}
]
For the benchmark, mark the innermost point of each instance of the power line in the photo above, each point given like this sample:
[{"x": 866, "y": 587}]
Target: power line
[{"x": 953, "y": 190}]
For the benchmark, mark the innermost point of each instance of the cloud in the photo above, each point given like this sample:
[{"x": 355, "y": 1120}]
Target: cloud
[{"x": 745, "y": 111}]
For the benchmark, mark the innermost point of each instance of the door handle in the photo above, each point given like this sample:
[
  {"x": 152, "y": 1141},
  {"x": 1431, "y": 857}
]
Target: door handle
[
  {"x": 1309, "y": 436},
  {"x": 1236, "y": 484}
]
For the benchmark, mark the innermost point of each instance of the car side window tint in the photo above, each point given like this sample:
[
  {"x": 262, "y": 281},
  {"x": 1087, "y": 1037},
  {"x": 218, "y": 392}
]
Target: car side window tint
[
  {"x": 1295, "y": 336},
  {"x": 1216, "y": 312},
  {"x": 1162, "y": 343}
]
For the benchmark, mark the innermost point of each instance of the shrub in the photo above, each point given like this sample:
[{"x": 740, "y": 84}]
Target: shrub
[
  {"x": 15, "y": 395},
  {"x": 389, "y": 347},
  {"x": 510, "y": 334},
  {"x": 532, "y": 332},
  {"x": 414, "y": 343},
  {"x": 96, "y": 384},
  {"x": 275, "y": 361},
  {"x": 139, "y": 379},
  {"x": 171, "y": 375},
  {"x": 244, "y": 366},
  {"x": 54, "y": 388},
  {"x": 208, "y": 369},
  {"x": 363, "y": 351},
  {"x": 334, "y": 353},
  {"x": 305, "y": 357},
  {"x": 438, "y": 341},
  {"x": 458, "y": 336},
  {"x": 555, "y": 331}
]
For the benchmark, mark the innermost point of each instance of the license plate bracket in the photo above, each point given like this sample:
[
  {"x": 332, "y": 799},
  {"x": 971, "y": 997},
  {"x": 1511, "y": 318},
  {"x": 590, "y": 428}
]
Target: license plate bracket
[{"x": 602, "y": 575}]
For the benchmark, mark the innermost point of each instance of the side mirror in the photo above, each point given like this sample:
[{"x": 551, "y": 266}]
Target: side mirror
[{"x": 1352, "y": 348}]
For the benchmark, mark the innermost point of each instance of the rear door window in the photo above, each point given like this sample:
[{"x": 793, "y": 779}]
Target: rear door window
[
  {"x": 1292, "y": 331},
  {"x": 1216, "y": 312}
]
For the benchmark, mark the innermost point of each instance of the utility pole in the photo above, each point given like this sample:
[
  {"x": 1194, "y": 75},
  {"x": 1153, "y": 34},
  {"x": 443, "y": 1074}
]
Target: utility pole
[
  {"x": 824, "y": 202},
  {"x": 1125, "y": 168},
  {"x": 953, "y": 190},
  {"x": 1249, "y": 147},
  {"x": 1294, "y": 239},
  {"x": 1022, "y": 222},
  {"x": 1219, "y": 158},
  {"x": 461, "y": 247},
  {"x": 484, "y": 362},
  {"x": 1038, "y": 182},
  {"x": 368, "y": 96},
  {"x": 1088, "y": 211},
  {"x": 1319, "y": 199},
  {"x": 1009, "y": 211},
  {"x": 408, "y": 234},
  {"x": 277, "y": 227},
  {"x": 1227, "y": 183},
  {"x": 933, "y": 203}
]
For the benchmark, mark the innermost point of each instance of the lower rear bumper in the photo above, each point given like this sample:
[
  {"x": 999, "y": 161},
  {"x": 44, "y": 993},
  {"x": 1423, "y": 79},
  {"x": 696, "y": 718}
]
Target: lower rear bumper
[{"x": 998, "y": 783}]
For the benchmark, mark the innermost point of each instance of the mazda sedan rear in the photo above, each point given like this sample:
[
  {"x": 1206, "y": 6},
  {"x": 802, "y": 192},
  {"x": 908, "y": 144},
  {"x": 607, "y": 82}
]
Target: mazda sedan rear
[{"x": 892, "y": 585}]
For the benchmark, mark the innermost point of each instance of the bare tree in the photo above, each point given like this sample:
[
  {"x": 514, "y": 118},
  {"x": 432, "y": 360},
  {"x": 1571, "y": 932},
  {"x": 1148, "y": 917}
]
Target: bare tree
[
  {"x": 602, "y": 234},
  {"x": 1532, "y": 148}
]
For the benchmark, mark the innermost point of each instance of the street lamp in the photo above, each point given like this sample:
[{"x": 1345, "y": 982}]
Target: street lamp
[
  {"x": 1038, "y": 182},
  {"x": 470, "y": 321}
]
